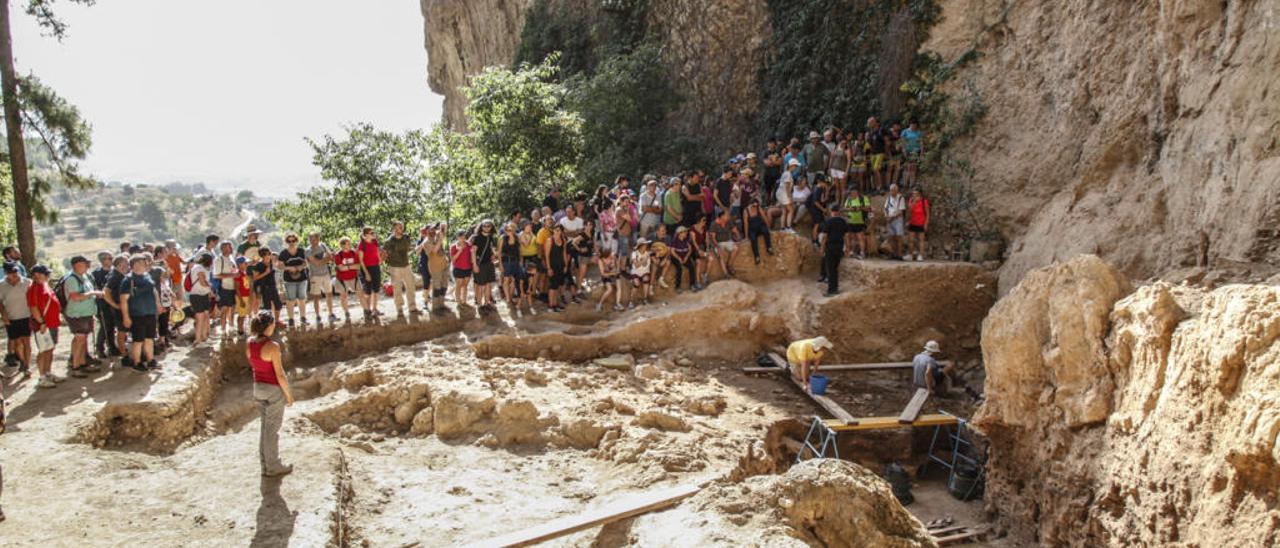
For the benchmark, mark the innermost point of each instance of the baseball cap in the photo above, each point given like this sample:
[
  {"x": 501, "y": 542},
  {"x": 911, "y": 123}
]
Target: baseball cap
[
  {"x": 793, "y": 162},
  {"x": 10, "y": 266},
  {"x": 40, "y": 269}
]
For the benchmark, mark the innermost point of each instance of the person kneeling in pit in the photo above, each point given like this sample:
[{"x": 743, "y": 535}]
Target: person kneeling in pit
[
  {"x": 928, "y": 373},
  {"x": 805, "y": 356}
]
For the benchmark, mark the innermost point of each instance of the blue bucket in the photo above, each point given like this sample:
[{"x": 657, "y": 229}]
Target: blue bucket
[{"x": 818, "y": 384}]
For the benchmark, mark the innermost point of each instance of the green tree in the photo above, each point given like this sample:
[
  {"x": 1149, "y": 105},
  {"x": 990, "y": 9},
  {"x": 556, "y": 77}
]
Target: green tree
[
  {"x": 244, "y": 196},
  {"x": 56, "y": 122},
  {"x": 527, "y": 138},
  {"x": 373, "y": 177},
  {"x": 92, "y": 232},
  {"x": 150, "y": 213},
  {"x": 115, "y": 232}
]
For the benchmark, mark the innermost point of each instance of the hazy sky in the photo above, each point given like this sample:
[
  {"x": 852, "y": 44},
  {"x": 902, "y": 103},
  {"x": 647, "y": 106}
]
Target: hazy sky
[{"x": 223, "y": 92}]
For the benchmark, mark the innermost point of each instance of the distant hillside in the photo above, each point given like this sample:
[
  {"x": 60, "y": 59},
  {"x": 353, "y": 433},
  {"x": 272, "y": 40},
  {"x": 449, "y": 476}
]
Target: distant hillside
[{"x": 103, "y": 218}]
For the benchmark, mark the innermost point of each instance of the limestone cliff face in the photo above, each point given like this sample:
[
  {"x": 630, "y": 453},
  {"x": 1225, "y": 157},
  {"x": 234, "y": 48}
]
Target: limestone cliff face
[
  {"x": 1146, "y": 132},
  {"x": 462, "y": 38},
  {"x": 1126, "y": 129}
]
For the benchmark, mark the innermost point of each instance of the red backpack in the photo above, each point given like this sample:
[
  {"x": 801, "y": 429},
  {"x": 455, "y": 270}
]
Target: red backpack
[{"x": 187, "y": 282}]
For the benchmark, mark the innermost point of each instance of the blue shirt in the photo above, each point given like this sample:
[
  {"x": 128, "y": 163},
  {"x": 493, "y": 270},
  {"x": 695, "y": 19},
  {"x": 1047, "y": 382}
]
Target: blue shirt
[
  {"x": 142, "y": 294},
  {"x": 912, "y": 138}
]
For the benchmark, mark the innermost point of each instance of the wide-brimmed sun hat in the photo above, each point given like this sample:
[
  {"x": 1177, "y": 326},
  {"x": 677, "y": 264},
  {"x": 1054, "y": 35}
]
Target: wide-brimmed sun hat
[
  {"x": 820, "y": 343},
  {"x": 932, "y": 347}
]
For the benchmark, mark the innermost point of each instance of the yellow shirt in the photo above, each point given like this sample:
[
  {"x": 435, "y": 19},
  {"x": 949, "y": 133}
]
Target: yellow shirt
[
  {"x": 529, "y": 248},
  {"x": 802, "y": 350},
  {"x": 544, "y": 234}
]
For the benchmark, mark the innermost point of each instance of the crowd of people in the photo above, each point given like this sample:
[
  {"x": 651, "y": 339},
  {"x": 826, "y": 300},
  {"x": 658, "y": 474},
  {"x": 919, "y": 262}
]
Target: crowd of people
[{"x": 129, "y": 303}]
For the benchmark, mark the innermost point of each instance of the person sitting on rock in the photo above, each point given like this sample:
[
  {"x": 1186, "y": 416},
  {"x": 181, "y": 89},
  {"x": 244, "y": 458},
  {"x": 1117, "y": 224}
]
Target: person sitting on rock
[
  {"x": 927, "y": 372},
  {"x": 805, "y": 356}
]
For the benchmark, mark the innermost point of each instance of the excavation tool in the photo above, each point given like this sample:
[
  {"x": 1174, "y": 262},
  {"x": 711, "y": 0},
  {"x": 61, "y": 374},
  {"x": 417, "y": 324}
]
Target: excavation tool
[{"x": 628, "y": 507}]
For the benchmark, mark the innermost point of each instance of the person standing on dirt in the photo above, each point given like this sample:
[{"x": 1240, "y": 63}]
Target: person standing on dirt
[
  {"x": 857, "y": 211},
  {"x": 693, "y": 198},
  {"x": 404, "y": 290},
  {"x": 918, "y": 223},
  {"x": 927, "y": 373},
  {"x": 201, "y": 295},
  {"x": 895, "y": 208},
  {"x": 370, "y": 256},
  {"x": 140, "y": 303},
  {"x": 105, "y": 333},
  {"x": 270, "y": 392},
  {"x": 16, "y": 315},
  {"x": 650, "y": 209},
  {"x": 111, "y": 294},
  {"x": 755, "y": 223},
  {"x": 81, "y": 307},
  {"x": 484, "y": 244},
  {"x": 295, "y": 278},
  {"x": 805, "y": 357},
  {"x": 460, "y": 258},
  {"x": 346, "y": 263},
  {"x": 816, "y": 156},
  {"x": 46, "y": 318},
  {"x": 320, "y": 276},
  {"x": 437, "y": 263},
  {"x": 225, "y": 273},
  {"x": 831, "y": 241},
  {"x": 556, "y": 257}
]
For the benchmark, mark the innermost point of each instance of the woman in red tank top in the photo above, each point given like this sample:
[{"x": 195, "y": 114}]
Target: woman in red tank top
[{"x": 270, "y": 391}]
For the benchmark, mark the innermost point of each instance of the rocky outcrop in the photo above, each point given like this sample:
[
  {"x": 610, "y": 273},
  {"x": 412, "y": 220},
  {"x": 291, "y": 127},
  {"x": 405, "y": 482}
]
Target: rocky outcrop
[
  {"x": 820, "y": 502},
  {"x": 1144, "y": 132},
  {"x": 1121, "y": 418},
  {"x": 462, "y": 38}
]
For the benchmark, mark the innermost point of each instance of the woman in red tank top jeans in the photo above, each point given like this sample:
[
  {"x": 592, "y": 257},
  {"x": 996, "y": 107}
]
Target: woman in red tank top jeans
[{"x": 270, "y": 391}]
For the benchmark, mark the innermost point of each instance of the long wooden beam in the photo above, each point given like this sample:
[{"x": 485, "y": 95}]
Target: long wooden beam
[
  {"x": 847, "y": 367},
  {"x": 824, "y": 402},
  {"x": 618, "y": 510}
]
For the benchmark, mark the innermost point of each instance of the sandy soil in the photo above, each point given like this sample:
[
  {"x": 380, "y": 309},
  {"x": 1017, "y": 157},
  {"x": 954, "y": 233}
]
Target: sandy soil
[{"x": 422, "y": 443}]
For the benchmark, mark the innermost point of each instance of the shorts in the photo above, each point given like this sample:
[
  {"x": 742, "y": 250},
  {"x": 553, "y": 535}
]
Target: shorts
[
  {"x": 726, "y": 247},
  {"x": 347, "y": 286},
  {"x": 858, "y": 168},
  {"x": 857, "y": 229},
  {"x": 916, "y": 228},
  {"x": 199, "y": 303},
  {"x": 640, "y": 279},
  {"x": 372, "y": 283},
  {"x": 558, "y": 279},
  {"x": 295, "y": 291},
  {"x": 532, "y": 264},
  {"x": 913, "y": 157},
  {"x": 143, "y": 327},
  {"x": 242, "y": 306},
  {"x": 461, "y": 273},
  {"x": 271, "y": 299},
  {"x": 815, "y": 214},
  {"x": 485, "y": 274},
  {"x": 877, "y": 162},
  {"x": 18, "y": 328},
  {"x": 226, "y": 295},
  {"x": 80, "y": 326},
  {"x": 838, "y": 174},
  {"x": 321, "y": 286},
  {"x": 895, "y": 227},
  {"x": 511, "y": 268}
]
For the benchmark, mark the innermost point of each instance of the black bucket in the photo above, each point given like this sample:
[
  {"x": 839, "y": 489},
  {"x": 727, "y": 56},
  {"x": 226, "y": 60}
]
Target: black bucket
[
  {"x": 965, "y": 483},
  {"x": 899, "y": 482}
]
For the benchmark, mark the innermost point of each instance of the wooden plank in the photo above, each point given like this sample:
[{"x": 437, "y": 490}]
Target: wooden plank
[
  {"x": 952, "y": 539},
  {"x": 829, "y": 405},
  {"x": 882, "y": 423},
  {"x": 846, "y": 367},
  {"x": 622, "y": 509},
  {"x": 913, "y": 408}
]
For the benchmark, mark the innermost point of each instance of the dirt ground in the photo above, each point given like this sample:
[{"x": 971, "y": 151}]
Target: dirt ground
[{"x": 423, "y": 442}]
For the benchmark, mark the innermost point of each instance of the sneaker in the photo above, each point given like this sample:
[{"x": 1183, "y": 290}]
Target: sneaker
[
  {"x": 153, "y": 365},
  {"x": 919, "y": 259},
  {"x": 332, "y": 319},
  {"x": 631, "y": 306},
  {"x": 92, "y": 368},
  {"x": 415, "y": 311},
  {"x": 77, "y": 372},
  {"x": 757, "y": 260},
  {"x": 46, "y": 382},
  {"x": 90, "y": 360},
  {"x": 290, "y": 324},
  {"x": 663, "y": 282},
  {"x": 599, "y": 307},
  {"x": 862, "y": 256},
  {"x": 619, "y": 307},
  {"x": 303, "y": 320},
  {"x": 56, "y": 378},
  {"x": 140, "y": 367}
]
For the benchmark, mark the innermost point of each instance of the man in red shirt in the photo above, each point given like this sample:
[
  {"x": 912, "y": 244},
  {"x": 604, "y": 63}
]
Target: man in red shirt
[{"x": 46, "y": 315}]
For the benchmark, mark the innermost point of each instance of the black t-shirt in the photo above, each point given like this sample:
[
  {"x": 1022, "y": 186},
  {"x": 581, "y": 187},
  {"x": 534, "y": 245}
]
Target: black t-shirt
[
  {"x": 694, "y": 190},
  {"x": 876, "y": 141},
  {"x": 724, "y": 191},
  {"x": 483, "y": 248},
  {"x": 258, "y": 268},
  {"x": 551, "y": 202},
  {"x": 113, "y": 284},
  {"x": 295, "y": 258},
  {"x": 835, "y": 229},
  {"x": 818, "y": 197}
]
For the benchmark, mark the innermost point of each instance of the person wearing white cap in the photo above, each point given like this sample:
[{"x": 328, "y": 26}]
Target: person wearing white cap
[
  {"x": 816, "y": 156},
  {"x": 786, "y": 184},
  {"x": 927, "y": 372},
  {"x": 805, "y": 356}
]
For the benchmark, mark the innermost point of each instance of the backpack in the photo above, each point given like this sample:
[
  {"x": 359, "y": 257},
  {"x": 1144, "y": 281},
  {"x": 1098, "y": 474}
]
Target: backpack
[
  {"x": 60, "y": 291},
  {"x": 187, "y": 282}
]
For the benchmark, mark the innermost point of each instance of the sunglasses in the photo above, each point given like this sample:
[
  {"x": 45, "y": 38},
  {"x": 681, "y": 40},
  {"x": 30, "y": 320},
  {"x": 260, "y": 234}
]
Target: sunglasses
[{"x": 291, "y": 241}]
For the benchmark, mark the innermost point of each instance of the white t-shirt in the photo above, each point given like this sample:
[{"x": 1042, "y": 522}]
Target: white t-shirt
[
  {"x": 639, "y": 263},
  {"x": 800, "y": 194},
  {"x": 572, "y": 226},
  {"x": 198, "y": 288},
  {"x": 14, "y": 298},
  {"x": 783, "y": 195}
]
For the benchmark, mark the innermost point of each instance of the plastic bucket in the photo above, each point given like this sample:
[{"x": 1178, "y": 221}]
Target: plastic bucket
[{"x": 818, "y": 384}]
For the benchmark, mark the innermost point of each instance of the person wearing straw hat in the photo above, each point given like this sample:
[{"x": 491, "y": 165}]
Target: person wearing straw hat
[
  {"x": 927, "y": 372},
  {"x": 805, "y": 356}
]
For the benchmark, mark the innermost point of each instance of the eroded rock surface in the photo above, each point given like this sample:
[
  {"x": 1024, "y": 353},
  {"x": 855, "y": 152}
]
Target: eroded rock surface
[{"x": 1120, "y": 417}]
